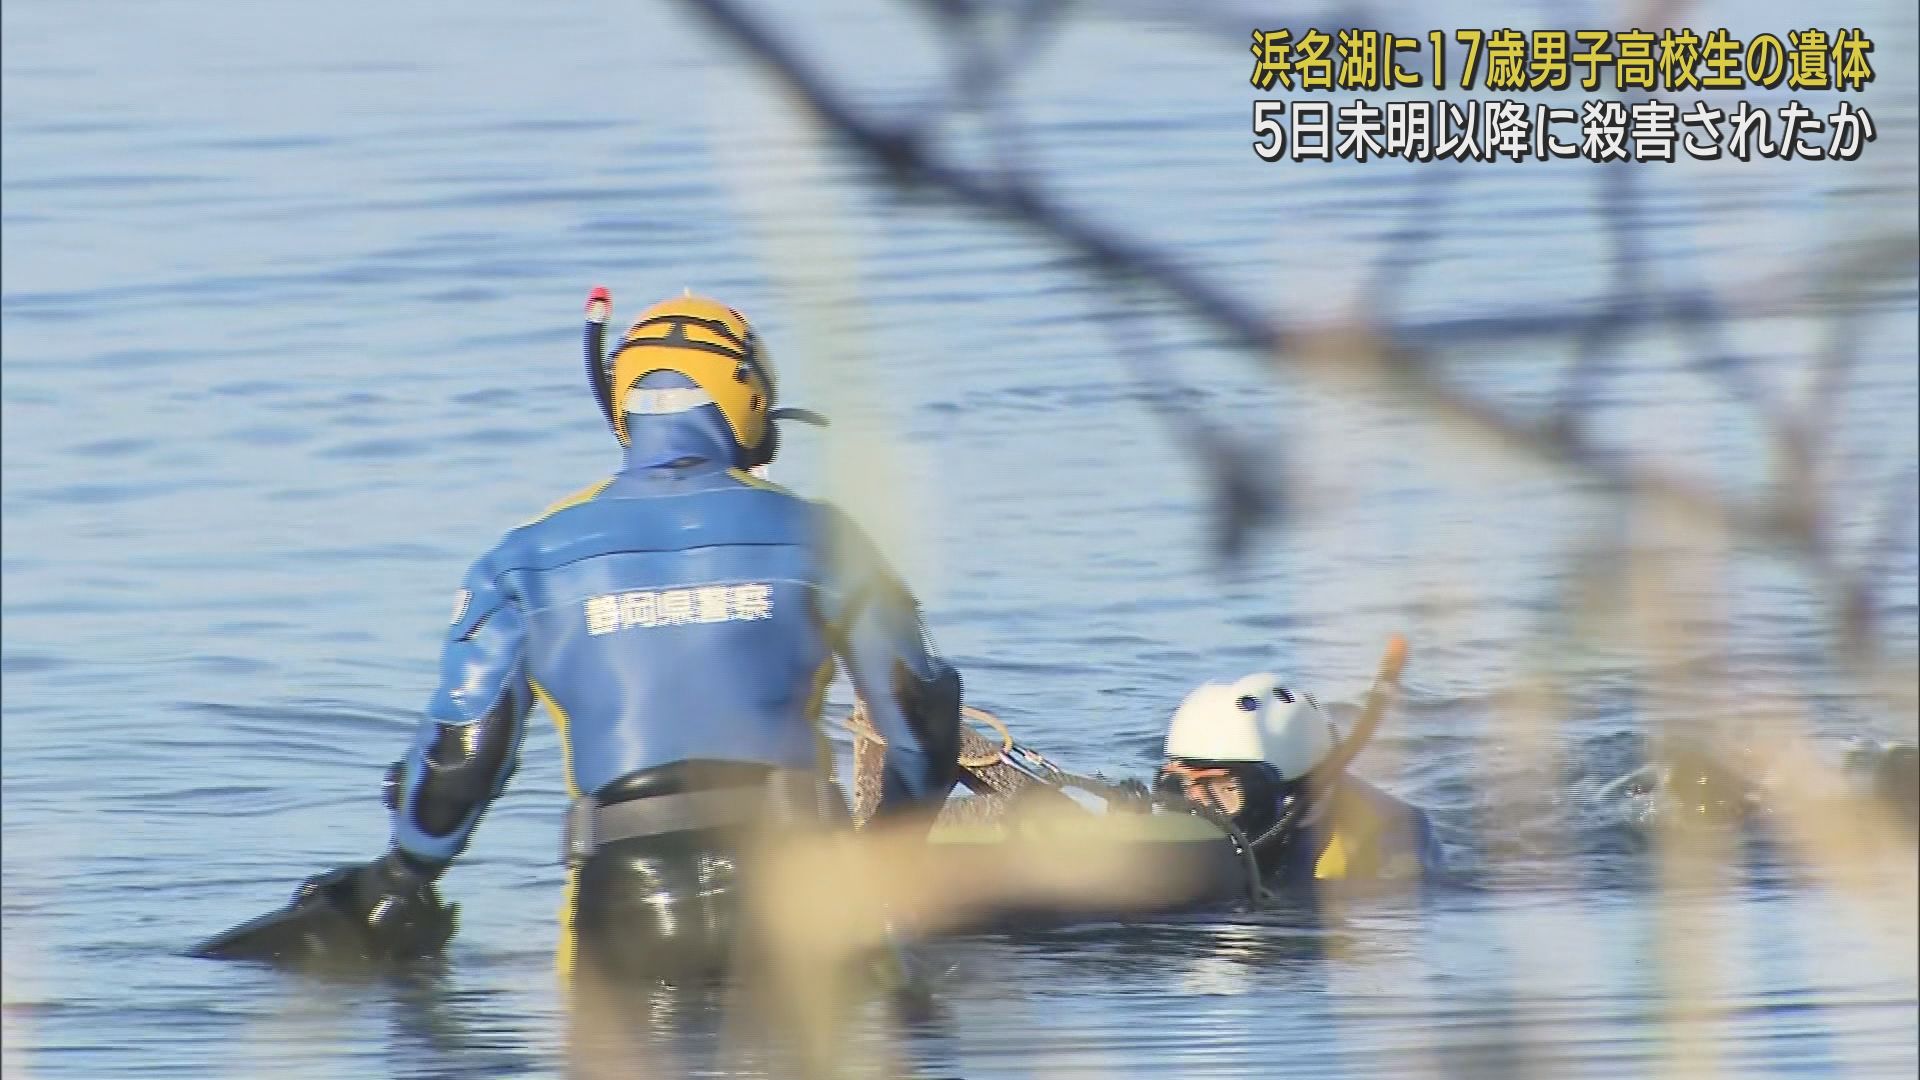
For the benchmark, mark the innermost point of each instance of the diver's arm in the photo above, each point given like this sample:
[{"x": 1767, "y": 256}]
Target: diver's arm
[
  {"x": 468, "y": 744},
  {"x": 461, "y": 757},
  {"x": 912, "y": 695}
]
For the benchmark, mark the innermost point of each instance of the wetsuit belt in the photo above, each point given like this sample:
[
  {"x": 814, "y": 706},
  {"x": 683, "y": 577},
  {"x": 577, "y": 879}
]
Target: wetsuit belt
[
  {"x": 591, "y": 825},
  {"x": 786, "y": 795}
]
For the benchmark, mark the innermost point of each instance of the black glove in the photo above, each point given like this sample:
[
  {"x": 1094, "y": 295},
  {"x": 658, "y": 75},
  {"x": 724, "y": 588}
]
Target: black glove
[
  {"x": 1130, "y": 794},
  {"x": 391, "y": 900}
]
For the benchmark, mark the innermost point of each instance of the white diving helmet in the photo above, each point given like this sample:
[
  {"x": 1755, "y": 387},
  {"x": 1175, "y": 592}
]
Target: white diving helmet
[{"x": 1246, "y": 750}]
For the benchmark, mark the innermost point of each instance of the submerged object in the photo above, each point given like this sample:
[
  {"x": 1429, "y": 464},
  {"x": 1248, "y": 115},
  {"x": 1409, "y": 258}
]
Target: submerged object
[{"x": 1174, "y": 862}]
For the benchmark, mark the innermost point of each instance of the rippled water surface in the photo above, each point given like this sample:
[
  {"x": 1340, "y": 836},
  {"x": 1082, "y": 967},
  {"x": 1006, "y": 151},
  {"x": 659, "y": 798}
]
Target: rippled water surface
[{"x": 290, "y": 311}]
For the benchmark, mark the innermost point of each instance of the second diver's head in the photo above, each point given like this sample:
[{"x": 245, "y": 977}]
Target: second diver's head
[{"x": 1246, "y": 750}]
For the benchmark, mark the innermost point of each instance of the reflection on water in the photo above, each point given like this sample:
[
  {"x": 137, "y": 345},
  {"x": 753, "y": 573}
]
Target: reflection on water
[{"x": 290, "y": 337}]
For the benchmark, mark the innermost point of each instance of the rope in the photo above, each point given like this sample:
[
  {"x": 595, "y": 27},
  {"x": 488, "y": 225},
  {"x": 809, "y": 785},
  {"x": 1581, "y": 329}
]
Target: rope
[
  {"x": 857, "y": 723},
  {"x": 1006, "y": 737}
]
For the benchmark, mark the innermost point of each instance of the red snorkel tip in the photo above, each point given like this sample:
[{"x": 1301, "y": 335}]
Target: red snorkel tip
[{"x": 594, "y": 337}]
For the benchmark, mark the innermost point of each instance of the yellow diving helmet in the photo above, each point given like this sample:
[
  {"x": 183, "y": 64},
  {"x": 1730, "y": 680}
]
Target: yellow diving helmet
[{"x": 707, "y": 342}]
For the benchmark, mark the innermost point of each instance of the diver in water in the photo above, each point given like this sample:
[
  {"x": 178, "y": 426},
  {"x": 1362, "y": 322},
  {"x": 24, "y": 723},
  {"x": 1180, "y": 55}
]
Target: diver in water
[
  {"x": 1261, "y": 760},
  {"x": 680, "y": 622}
]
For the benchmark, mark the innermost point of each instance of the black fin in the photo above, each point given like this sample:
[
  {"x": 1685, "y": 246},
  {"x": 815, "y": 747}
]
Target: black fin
[{"x": 309, "y": 930}]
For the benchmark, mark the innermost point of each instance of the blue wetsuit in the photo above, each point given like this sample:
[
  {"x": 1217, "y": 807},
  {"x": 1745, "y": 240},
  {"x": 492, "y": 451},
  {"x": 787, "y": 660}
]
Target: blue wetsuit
[{"x": 680, "y": 613}]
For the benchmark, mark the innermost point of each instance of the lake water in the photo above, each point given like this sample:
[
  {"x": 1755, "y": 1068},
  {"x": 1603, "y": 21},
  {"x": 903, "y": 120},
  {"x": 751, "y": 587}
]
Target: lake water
[{"x": 291, "y": 310}]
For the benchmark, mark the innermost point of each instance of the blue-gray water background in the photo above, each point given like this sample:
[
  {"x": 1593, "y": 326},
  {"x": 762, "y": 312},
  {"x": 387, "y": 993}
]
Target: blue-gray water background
[{"x": 291, "y": 298}]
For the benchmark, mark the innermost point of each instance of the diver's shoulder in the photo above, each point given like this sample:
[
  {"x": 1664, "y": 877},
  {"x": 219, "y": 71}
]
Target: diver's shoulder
[
  {"x": 584, "y": 495},
  {"x": 818, "y": 515},
  {"x": 746, "y": 479},
  {"x": 835, "y": 526},
  {"x": 533, "y": 533},
  {"x": 733, "y": 500}
]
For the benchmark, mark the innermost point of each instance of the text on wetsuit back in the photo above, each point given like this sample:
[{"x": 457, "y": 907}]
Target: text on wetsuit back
[{"x": 676, "y": 607}]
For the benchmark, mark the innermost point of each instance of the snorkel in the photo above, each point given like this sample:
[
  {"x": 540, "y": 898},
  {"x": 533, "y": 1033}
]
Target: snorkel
[{"x": 599, "y": 305}]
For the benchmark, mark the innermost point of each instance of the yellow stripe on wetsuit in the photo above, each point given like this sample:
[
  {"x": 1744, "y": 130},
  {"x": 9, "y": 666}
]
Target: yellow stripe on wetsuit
[
  {"x": 563, "y": 954},
  {"x": 585, "y": 494},
  {"x": 562, "y": 725}
]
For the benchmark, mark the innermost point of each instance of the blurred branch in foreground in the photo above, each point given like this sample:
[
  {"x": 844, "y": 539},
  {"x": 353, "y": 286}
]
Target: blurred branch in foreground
[
  {"x": 1373, "y": 349},
  {"x": 1655, "y": 592}
]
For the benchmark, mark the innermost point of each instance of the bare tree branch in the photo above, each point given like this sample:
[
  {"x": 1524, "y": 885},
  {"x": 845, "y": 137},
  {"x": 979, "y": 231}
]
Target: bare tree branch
[
  {"x": 1401, "y": 353},
  {"x": 1372, "y": 349}
]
